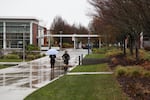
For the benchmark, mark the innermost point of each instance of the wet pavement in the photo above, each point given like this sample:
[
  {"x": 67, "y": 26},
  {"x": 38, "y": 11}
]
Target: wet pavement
[{"x": 19, "y": 81}]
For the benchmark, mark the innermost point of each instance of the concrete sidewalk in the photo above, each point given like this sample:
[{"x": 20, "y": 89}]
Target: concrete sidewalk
[
  {"x": 19, "y": 93},
  {"x": 12, "y": 63}
]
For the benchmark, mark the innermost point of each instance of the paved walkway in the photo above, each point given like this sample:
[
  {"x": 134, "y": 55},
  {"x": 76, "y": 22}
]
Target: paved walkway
[
  {"x": 10, "y": 63},
  {"x": 15, "y": 92}
]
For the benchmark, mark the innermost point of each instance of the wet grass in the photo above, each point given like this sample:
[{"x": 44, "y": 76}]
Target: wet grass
[
  {"x": 92, "y": 68},
  {"x": 80, "y": 87},
  {"x": 6, "y": 66},
  {"x": 10, "y": 60}
]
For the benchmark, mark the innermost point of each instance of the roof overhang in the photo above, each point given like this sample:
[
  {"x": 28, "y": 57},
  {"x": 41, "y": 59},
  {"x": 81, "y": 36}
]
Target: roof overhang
[{"x": 70, "y": 35}]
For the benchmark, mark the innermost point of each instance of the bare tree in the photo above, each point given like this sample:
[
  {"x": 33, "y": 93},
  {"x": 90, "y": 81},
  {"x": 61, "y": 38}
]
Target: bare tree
[
  {"x": 131, "y": 17},
  {"x": 60, "y": 24}
]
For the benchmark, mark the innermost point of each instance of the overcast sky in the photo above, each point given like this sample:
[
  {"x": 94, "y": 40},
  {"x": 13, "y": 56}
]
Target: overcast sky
[{"x": 73, "y": 11}]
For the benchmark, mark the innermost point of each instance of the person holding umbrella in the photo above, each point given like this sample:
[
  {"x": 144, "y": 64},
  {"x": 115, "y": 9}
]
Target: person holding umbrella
[
  {"x": 52, "y": 60},
  {"x": 52, "y": 55},
  {"x": 66, "y": 58}
]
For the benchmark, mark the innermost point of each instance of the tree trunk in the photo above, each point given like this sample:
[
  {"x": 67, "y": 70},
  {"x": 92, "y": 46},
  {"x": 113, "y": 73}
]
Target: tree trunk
[
  {"x": 137, "y": 49},
  {"x": 131, "y": 40},
  {"x": 124, "y": 47}
]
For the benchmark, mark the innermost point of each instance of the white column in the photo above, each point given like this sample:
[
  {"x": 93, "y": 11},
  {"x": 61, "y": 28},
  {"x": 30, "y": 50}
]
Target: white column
[
  {"x": 42, "y": 34},
  {"x": 4, "y": 35},
  {"x": 49, "y": 38},
  {"x": 74, "y": 43},
  {"x": 39, "y": 38},
  {"x": 31, "y": 33}
]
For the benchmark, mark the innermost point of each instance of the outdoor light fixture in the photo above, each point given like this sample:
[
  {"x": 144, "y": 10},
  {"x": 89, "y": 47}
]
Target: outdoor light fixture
[
  {"x": 24, "y": 42},
  {"x": 60, "y": 41},
  {"x": 88, "y": 43}
]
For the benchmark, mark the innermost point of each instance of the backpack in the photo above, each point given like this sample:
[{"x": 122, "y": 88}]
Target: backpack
[{"x": 66, "y": 57}]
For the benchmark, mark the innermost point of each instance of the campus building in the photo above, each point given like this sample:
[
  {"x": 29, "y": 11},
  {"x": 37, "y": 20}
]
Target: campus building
[{"x": 16, "y": 32}]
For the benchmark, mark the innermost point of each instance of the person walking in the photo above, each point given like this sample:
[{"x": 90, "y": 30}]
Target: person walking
[
  {"x": 66, "y": 58},
  {"x": 52, "y": 62}
]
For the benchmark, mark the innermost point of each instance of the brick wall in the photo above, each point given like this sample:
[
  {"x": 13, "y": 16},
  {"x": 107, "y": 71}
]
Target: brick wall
[{"x": 35, "y": 33}]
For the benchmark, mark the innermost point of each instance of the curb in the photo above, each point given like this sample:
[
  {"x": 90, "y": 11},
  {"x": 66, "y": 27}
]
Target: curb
[{"x": 88, "y": 73}]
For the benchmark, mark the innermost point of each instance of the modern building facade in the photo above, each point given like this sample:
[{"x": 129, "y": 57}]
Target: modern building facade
[{"x": 17, "y": 32}]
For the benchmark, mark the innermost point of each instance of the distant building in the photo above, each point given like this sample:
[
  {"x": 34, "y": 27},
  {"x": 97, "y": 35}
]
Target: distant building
[{"x": 16, "y": 31}]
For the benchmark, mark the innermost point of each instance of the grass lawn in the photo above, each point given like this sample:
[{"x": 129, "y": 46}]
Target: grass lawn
[
  {"x": 5, "y": 66},
  {"x": 95, "y": 56},
  {"x": 80, "y": 87},
  {"x": 10, "y": 60},
  {"x": 92, "y": 68},
  {"x": 147, "y": 55}
]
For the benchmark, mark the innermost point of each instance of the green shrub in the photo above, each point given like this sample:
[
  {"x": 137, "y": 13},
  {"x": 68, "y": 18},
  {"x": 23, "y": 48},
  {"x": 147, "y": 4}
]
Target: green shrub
[
  {"x": 43, "y": 55},
  {"x": 135, "y": 73},
  {"x": 98, "y": 50},
  {"x": 146, "y": 55},
  {"x": 32, "y": 47},
  {"x": 132, "y": 71},
  {"x": 11, "y": 56},
  {"x": 146, "y": 74},
  {"x": 113, "y": 52},
  {"x": 30, "y": 57},
  {"x": 142, "y": 54},
  {"x": 67, "y": 45},
  {"x": 120, "y": 71},
  {"x": 38, "y": 56}
]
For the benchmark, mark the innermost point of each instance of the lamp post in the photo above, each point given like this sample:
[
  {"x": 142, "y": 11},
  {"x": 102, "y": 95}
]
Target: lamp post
[
  {"x": 24, "y": 43},
  {"x": 74, "y": 40},
  {"x": 60, "y": 41},
  {"x": 88, "y": 43}
]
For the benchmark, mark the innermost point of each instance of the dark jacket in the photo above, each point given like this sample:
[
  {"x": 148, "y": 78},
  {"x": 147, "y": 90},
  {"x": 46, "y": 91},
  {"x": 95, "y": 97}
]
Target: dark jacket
[
  {"x": 52, "y": 58},
  {"x": 66, "y": 58}
]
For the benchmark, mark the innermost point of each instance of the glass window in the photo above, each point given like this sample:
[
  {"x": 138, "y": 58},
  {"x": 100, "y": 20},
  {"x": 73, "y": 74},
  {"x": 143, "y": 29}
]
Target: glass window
[
  {"x": 14, "y": 34},
  {"x": 1, "y": 44},
  {"x": 15, "y": 40},
  {"x": 17, "y": 27},
  {"x": 1, "y": 27},
  {"x": 1, "y": 36}
]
